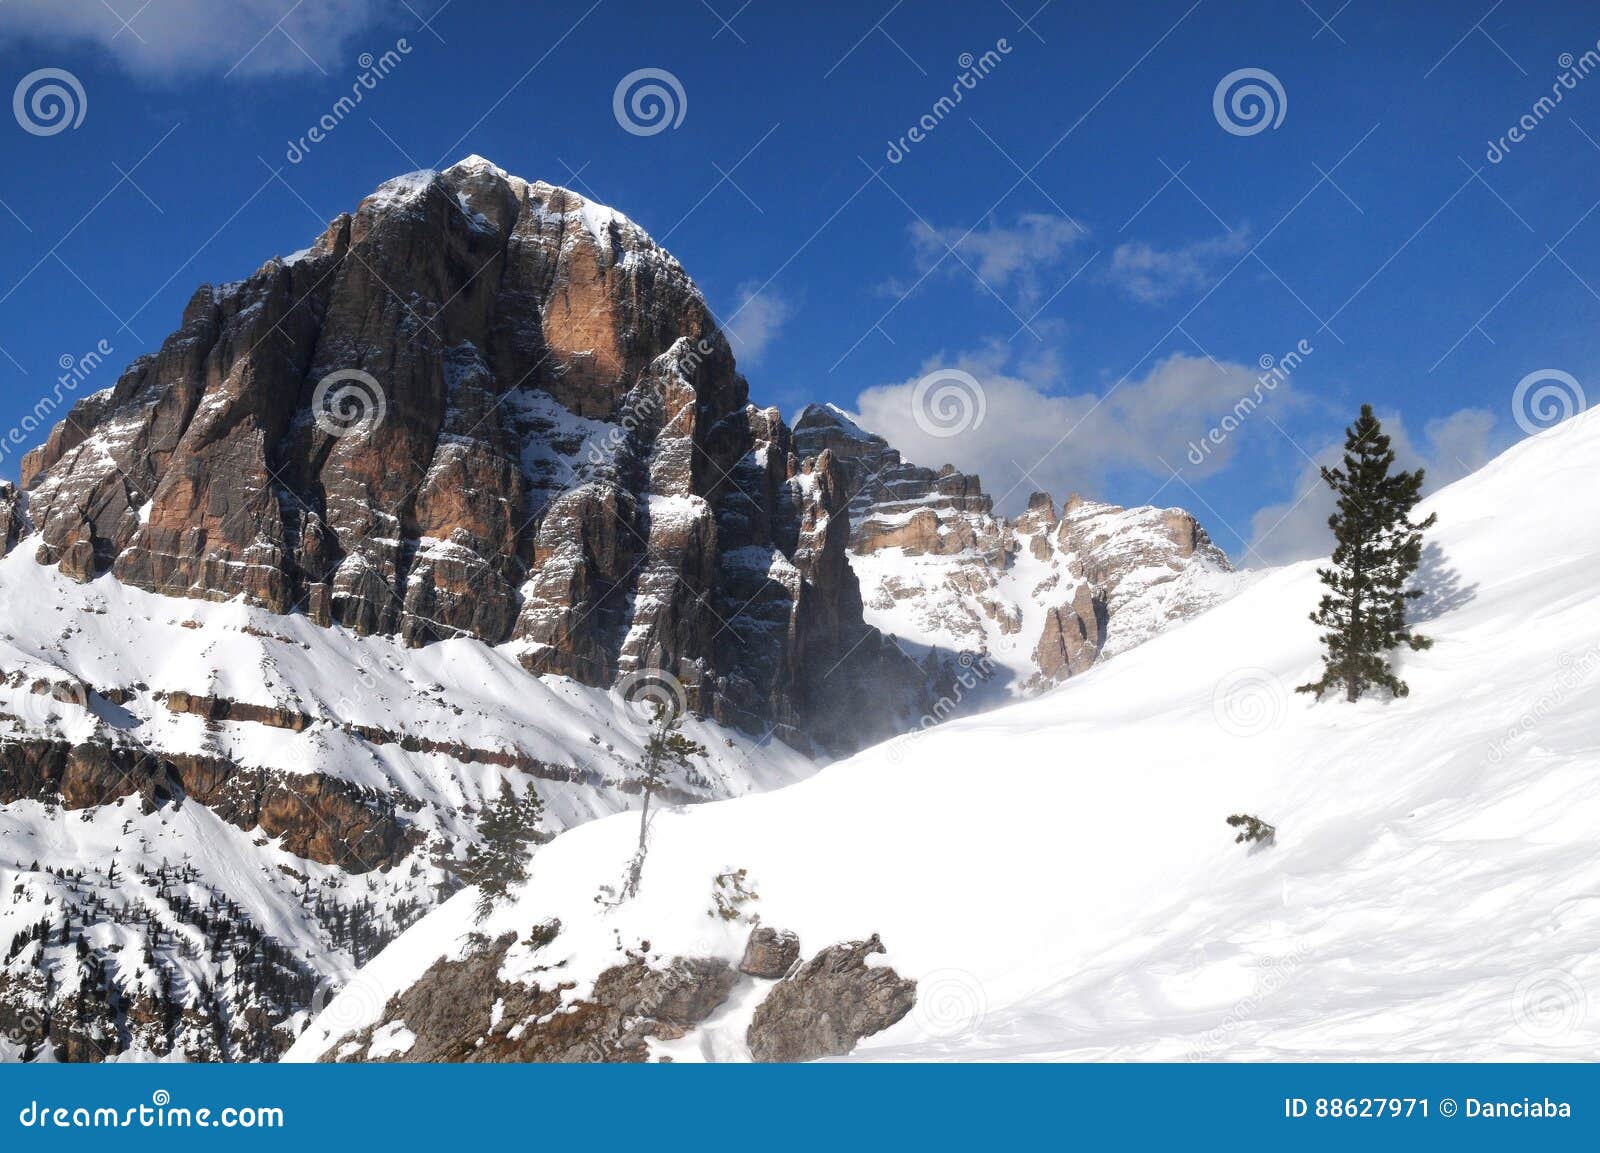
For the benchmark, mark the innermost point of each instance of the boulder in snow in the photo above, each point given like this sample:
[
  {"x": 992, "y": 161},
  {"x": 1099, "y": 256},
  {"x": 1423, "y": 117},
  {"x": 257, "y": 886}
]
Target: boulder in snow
[
  {"x": 769, "y": 953},
  {"x": 829, "y": 1004}
]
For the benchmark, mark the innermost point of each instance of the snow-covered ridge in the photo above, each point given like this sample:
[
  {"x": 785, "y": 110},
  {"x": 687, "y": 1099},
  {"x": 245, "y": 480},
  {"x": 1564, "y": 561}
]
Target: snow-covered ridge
[
  {"x": 597, "y": 220},
  {"x": 1058, "y": 877},
  {"x": 426, "y": 736}
]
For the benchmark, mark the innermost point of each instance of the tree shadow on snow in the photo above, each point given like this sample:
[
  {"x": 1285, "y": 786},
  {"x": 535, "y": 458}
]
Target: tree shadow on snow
[{"x": 1441, "y": 585}]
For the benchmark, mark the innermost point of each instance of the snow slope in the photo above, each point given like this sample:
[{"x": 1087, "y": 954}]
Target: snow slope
[{"x": 1058, "y": 877}]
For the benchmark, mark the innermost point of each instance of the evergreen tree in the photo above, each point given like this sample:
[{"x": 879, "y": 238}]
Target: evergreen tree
[
  {"x": 509, "y": 826},
  {"x": 1363, "y": 613},
  {"x": 665, "y": 750}
]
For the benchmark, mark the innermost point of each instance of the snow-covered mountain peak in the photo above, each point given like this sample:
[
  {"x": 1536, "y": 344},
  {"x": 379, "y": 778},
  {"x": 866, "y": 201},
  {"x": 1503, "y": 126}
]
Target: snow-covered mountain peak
[{"x": 476, "y": 163}]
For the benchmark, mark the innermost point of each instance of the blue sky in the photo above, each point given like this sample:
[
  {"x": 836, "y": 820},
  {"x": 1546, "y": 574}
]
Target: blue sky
[{"x": 1081, "y": 234}]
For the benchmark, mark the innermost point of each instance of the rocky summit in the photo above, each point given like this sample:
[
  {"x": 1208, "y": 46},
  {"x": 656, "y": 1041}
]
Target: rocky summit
[{"x": 484, "y": 407}]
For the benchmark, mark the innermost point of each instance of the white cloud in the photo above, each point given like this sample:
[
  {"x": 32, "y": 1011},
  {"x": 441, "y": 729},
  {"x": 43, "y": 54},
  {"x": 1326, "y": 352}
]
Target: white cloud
[
  {"x": 1153, "y": 275},
  {"x": 168, "y": 37},
  {"x": 1009, "y": 259},
  {"x": 1462, "y": 443},
  {"x": 1031, "y": 439},
  {"x": 753, "y": 325},
  {"x": 1297, "y": 529}
]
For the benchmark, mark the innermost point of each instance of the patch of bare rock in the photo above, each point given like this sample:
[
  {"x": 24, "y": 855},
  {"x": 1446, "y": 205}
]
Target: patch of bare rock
[{"x": 464, "y": 1011}]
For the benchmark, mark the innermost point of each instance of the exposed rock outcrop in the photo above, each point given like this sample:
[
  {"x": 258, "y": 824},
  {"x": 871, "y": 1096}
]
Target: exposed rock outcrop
[
  {"x": 1072, "y": 636},
  {"x": 214, "y": 708},
  {"x": 13, "y": 517},
  {"x": 769, "y": 953},
  {"x": 461, "y": 1010},
  {"x": 465, "y": 1009},
  {"x": 895, "y": 504},
  {"x": 1044, "y": 595},
  {"x": 829, "y": 1004},
  {"x": 318, "y": 817}
]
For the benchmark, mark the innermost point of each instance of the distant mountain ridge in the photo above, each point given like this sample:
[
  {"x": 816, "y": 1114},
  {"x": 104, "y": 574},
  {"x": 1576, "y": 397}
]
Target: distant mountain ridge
[{"x": 1042, "y": 596}]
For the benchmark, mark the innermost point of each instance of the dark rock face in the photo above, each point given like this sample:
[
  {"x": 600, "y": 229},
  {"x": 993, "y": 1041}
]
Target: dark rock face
[
  {"x": 222, "y": 709},
  {"x": 13, "y": 517},
  {"x": 450, "y": 1011},
  {"x": 539, "y": 436},
  {"x": 769, "y": 953},
  {"x": 318, "y": 817},
  {"x": 828, "y": 1005}
]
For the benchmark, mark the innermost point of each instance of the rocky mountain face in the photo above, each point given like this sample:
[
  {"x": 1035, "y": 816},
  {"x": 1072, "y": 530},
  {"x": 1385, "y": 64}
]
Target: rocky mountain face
[
  {"x": 435, "y": 508},
  {"x": 1043, "y": 596},
  {"x": 482, "y": 407}
]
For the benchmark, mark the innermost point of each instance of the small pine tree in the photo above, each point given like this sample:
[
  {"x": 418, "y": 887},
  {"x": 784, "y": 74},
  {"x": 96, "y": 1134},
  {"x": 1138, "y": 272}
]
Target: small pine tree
[
  {"x": 1363, "y": 613},
  {"x": 1253, "y": 831},
  {"x": 500, "y": 860},
  {"x": 665, "y": 750}
]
